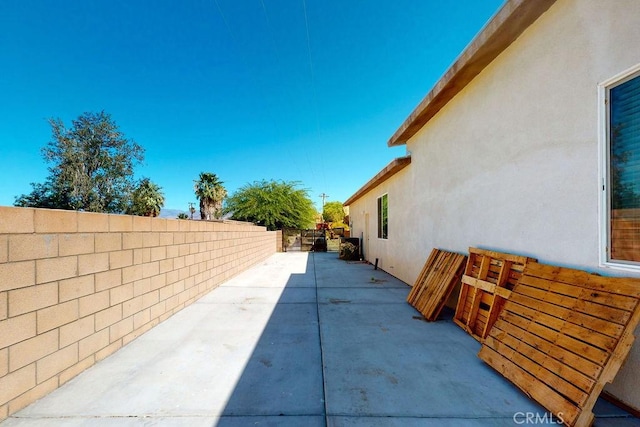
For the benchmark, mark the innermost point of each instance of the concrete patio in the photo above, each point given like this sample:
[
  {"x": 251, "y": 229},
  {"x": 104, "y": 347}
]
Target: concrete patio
[{"x": 301, "y": 339}]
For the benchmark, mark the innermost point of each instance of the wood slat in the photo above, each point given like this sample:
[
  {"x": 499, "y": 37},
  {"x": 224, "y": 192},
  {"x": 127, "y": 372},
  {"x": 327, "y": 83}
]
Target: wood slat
[
  {"x": 439, "y": 275},
  {"x": 627, "y": 286},
  {"x": 434, "y": 283},
  {"x": 562, "y": 335},
  {"x": 521, "y": 355},
  {"x": 532, "y": 351},
  {"x": 602, "y": 326},
  {"x": 415, "y": 290},
  {"x": 603, "y": 296},
  {"x": 571, "y": 360},
  {"x": 554, "y": 337},
  {"x": 582, "y": 333},
  {"x": 438, "y": 287},
  {"x": 488, "y": 280},
  {"x": 530, "y": 385},
  {"x": 609, "y": 314}
]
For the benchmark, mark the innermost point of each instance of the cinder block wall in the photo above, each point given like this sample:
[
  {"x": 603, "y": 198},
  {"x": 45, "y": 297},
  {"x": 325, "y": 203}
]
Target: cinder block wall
[{"x": 75, "y": 286}]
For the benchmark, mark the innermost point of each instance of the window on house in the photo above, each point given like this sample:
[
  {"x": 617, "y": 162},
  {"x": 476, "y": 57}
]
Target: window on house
[
  {"x": 383, "y": 217},
  {"x": 622, "y": 100}
]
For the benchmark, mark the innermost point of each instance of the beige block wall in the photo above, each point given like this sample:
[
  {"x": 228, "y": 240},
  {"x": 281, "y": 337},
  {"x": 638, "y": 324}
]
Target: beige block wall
[
  {"x": 76, "y": 287},
  {"x": 279, "y": 242}
]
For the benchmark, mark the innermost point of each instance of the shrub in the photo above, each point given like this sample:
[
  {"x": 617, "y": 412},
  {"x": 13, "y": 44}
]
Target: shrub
[{"x": 349, "y": 252}]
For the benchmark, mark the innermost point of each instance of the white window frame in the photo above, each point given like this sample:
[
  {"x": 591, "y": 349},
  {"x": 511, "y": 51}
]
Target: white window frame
[
  {"x": 603, "y": 175},
  {"x": 379, "y": 231}
]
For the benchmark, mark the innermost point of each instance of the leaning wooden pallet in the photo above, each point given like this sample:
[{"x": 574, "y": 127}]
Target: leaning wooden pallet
[
  {"x": 562, "y": 335},
  {"x": 487, "y": 282},
  {"x": 435, "y": 283}
]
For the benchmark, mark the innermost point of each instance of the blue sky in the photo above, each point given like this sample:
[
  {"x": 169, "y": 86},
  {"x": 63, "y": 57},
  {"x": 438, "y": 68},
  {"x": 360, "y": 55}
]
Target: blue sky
[{"x": 294, "y": 90}]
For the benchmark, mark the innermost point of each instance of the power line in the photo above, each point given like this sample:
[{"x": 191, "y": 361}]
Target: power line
[
  {"x": 311, "y": 166},
  {"x": 251, "y": 72},
  {"x": 279, "y": 61},
  {"x": 313, "y": 85}
]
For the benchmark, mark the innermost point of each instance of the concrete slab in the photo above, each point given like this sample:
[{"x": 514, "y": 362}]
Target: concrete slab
[
  {"x": 363, "y": 295},
  {"x": 190, "y": 421},
  {"x": 334, "y": 281},
  {"x": 299, "y": 340},
  {"x": 364, "y": 375},
  {"x": 335, "y": 273},
  {"x": 260, "y": 295},
  {"x": 418, "y": 422}
]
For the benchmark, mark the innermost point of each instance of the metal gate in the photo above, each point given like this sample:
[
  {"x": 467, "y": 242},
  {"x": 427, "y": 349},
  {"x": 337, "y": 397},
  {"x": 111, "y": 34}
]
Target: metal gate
[{"x": 304, "y": 240}]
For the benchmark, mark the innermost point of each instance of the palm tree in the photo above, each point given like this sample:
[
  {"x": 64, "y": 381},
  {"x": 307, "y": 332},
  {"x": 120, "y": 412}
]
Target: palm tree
[
  {"x": 147, "y": 199},
  {"x": 209, "y": 190}
]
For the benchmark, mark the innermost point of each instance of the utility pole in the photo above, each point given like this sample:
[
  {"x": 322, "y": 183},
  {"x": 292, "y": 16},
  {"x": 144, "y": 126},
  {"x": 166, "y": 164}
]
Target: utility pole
[
  {"x": 192, "y": 209},
  {"x": 324, "y": 196}
]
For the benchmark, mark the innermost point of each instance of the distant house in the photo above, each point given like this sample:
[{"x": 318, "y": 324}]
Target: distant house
[{"x": 529, "y": 144}]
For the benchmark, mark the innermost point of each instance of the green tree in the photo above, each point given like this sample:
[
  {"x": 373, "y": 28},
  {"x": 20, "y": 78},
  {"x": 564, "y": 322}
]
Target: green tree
[
  {"x": 51, "y": 194},
  {"x": 91, "y": 167},
  {"x": 623, "y": 191},
  {"x": 272, "y": 204},
  {"x": 333, "y": 212},
  {"x": 209, "y": 190},
  {"x": 183, "y": 215},
  {"x": 147, "y": 199}
]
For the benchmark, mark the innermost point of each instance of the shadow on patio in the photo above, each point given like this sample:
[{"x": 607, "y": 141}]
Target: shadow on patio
[{"x": 381, "y": 364}]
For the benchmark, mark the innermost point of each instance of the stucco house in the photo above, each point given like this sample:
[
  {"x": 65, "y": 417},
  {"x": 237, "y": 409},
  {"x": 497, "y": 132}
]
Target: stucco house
[{"x": 529, "y": 144}]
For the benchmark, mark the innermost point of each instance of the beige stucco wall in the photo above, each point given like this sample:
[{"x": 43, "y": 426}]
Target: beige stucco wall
[
  {"x": 386, "y": 250},
  {"x": 76, "y": 287},
  {"x": 512, "y": 162}
]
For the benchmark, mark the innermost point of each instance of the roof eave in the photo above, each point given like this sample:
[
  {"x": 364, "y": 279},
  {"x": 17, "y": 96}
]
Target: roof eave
[
  {"x": 505, "y": 27},
  {"x": 391, "y": 169}
]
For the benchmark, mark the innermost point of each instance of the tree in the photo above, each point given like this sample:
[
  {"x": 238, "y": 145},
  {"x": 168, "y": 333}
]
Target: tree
[
  {"x": 91, "y": 167},
  {"x": 272, "y": 204},
  {"x": 147, "y": 199},
  {"x": 623, "y": 191},
  {"x": 209, "y": 190},
  {"x": 183, "y": 215},
  {"x": 333, "y": 212},
  {"x": 51, "y": 195}
]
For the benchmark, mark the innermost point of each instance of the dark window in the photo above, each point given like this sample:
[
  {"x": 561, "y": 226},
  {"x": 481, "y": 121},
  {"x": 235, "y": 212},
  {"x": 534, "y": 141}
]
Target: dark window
[{"x": 383, "y": 217}]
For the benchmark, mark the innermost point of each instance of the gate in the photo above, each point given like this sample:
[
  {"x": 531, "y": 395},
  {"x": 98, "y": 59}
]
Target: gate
[{"x": 295, "y": 239}]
